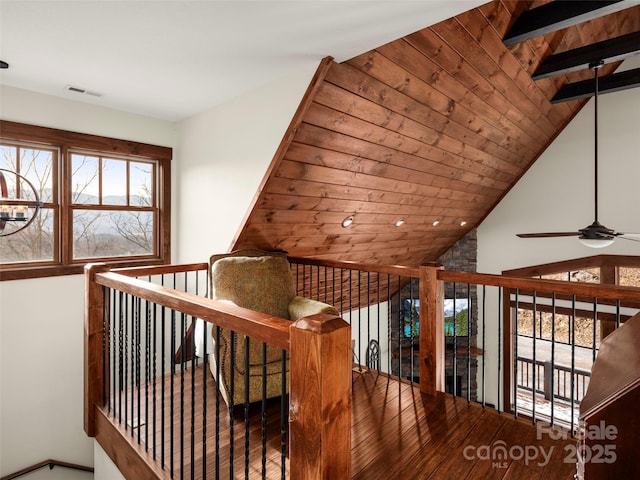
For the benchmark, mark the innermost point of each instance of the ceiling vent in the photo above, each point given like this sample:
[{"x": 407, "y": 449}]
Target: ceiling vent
[{"x": 84, "y": 91}]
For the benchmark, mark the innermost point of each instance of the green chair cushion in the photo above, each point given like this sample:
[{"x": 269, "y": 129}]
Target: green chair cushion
[{"x": 263, "y": 284}]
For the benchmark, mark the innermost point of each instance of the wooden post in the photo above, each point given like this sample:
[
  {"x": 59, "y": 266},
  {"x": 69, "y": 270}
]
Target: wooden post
[
  {"x": 320, "y": 398},
  {"x": 608, "y": 276},
  {"x": 431, "y": 330},
  {"x": 93, "y": 349}
]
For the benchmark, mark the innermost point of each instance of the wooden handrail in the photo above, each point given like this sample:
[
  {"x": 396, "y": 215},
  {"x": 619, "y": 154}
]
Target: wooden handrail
[
  {"x": 514, "y": 282},
  {"x": 161, "y": 269},
  {"x": 47, "y": 463},
  {"x": 363, "y": 267},
  {"x": 611, "y": 292},
  {"x": 595, "y": 261}
]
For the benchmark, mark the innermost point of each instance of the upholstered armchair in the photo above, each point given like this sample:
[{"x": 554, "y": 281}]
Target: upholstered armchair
[{"x": 260, "y": 281}]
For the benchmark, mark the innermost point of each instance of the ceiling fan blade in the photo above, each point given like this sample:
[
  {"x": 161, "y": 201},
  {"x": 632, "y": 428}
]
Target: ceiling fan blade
[
  {"x": 632, "y": 239},
  {"x": 627, "y": 235},
  {"x": 548, "y": 234}
]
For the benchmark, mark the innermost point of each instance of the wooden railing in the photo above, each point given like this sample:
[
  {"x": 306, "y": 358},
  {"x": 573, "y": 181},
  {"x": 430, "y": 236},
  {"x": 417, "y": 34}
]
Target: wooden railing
[
  {"x": 48, "y": 463},
  {"x": 496, "y": 304},
  {"x": 552, "y": 380},
  {"x": 320, "y": 371},
  {"x": 319, "y": 423}
]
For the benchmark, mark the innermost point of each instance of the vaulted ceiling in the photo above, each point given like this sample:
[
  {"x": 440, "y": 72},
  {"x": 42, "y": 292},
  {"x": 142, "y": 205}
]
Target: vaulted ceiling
[{"x": 432, "y": 130}]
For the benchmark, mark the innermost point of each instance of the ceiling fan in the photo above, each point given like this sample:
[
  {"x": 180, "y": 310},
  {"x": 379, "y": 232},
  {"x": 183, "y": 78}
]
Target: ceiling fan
[{"x": 595, "y": 235}]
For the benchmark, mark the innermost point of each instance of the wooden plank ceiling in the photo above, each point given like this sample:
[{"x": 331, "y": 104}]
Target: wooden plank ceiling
[{"x": 432, "y": 129}]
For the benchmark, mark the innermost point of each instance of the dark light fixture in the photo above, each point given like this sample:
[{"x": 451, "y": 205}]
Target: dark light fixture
[{"x": 19, "y": 202}]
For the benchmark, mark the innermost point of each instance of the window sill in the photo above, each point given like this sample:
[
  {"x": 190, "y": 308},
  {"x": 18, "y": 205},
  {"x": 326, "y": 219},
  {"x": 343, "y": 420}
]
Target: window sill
[{"x": 41, "y": 271}]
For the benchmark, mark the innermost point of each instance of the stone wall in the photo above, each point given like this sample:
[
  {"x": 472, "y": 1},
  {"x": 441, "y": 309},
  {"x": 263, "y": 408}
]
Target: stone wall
[{"x": 461, "y": 257}]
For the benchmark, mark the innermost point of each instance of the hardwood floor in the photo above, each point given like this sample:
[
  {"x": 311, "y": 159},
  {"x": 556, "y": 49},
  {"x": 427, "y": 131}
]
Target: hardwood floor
[{"x": 397, "y": 433}]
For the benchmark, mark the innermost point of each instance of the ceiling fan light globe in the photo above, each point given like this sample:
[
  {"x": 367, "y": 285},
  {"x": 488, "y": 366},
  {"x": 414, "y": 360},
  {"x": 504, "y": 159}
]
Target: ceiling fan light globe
[{"x": 596, "y": 242}]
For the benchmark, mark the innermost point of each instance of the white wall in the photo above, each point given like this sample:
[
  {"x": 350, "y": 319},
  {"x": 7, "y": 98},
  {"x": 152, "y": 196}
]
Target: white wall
[
  {"x": 556, "y": 194},
  {"x": 225, "y": 153},
  {"x": 41, "y": 320}
]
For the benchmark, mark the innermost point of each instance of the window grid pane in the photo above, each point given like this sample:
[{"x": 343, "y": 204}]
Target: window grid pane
[
  {"x": 35, "y": 243},
  {"x": 112, "y": 233}
]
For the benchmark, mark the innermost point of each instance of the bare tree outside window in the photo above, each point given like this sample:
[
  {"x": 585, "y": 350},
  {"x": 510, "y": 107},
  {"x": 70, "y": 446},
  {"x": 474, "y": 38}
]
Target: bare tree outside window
[
  {"x": 112, "y": 182},
  {"x": 36, "y": 243}
]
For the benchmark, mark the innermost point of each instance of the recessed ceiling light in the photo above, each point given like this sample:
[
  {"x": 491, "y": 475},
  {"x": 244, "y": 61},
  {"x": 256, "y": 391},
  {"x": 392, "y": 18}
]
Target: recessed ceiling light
[
  {"x": 399, "y": 222},
  {"x": 463, "y": 223},
  {"x": 436, "y": 223},
  {"x": 347, "y": 222},
  {"x": 3, "y": 64}
]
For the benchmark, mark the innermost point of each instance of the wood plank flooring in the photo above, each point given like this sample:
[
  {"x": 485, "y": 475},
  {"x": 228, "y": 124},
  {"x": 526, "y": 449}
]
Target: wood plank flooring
[{"x": 397, "y": 433}]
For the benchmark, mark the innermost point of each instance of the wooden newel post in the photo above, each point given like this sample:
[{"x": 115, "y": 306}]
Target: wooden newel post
[
  {"x": 320, "y": 398},
  {"x": 431, "y": 330},
  {"x": 93, "y": 346}
]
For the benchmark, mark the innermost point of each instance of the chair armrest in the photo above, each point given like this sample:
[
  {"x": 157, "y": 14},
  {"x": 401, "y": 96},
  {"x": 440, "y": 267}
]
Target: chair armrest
[{"x": 303, "y": 307}]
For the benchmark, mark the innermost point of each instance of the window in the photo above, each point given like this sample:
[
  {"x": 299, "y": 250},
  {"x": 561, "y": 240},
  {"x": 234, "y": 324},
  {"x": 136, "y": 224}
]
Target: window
[{"x": 104, "y": 200}]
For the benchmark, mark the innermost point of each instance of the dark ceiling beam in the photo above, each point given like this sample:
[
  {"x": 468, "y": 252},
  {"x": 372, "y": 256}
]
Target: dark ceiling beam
[
  {"x": 607, "y": 51},
  {"x": 559, "y": 14},
  {"x": 608, "y": 84}
]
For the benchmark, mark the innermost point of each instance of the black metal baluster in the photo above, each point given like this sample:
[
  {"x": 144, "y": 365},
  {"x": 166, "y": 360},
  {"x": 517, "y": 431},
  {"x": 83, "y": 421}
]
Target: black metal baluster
[
  {"x": 147, "y": 370},
  {"x": 389, "y": 320},
  {"x": 115, "y": 346},
  {"x": 172, "y": 391},
  {"x": 126, "y": 360},
  {"x": 325, "y": 284},
  {"x": 553, "y": 353},
  {"x": 138, "y": 337},
  {"x": 247, "y": 385},
  {"x": 515, "y": 354},
  {"x": 411, "y": 330},
  {"x": 105, "y": 350},
  {"x": 182, "y": 392},
  {"x": 534, "y": 369},
  {"x": 379, "y": 301},
  {"x": 217, "y": 426},
  {"x": 333, "y": 286},
  {"x": 163, "y": 359},
  {"x": 263, "y": 413},
  {"x": 205, "y": 378},
  {"x": 573, "y": 361},
  {"x": 595, "y": 322},
  {"x": 350, "y": 296},
  {"x": 193, "y": 369},
  {"x": 232, "y": 388},
  {"x": 154, "y": 376},
  {"x": 342, "y": 294},
  {"x": 400, "y": 322},
  {"x": 469, "y": 323},
  {"x": 484, "y": 346},
  {"x": 368, "y": 314},
  {"x": 499, "y": 345},
  {"x": 283, "y": 419}
]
